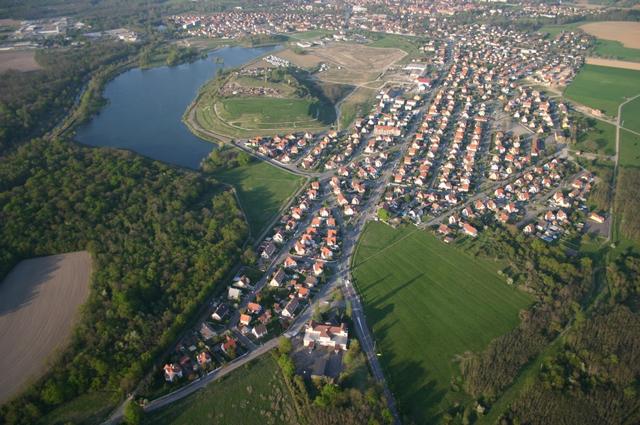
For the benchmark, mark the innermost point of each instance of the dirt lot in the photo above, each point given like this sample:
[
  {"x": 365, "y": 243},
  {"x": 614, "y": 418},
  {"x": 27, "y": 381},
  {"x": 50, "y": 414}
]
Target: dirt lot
[
  {"x": 39, "y": 302},
  {"x": 19, "y": 60},
  {"x": 628, "y": 33},
  {"x": 348, "y": 63},
  {"x": 613, "y": 63}
]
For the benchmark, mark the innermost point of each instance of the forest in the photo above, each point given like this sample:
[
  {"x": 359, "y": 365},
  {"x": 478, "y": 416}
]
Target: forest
[{"x": 161, "y": 239}]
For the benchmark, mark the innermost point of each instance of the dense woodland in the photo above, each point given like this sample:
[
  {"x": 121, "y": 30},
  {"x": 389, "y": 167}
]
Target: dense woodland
[
  {"x": 595, "y": 377},
  {"x": 160, "y": 240}
]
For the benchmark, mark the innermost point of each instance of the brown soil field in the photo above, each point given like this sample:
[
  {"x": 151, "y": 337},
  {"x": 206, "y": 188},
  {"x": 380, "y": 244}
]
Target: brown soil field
[
  {"x": 13, "y": 23},
  {"x": 39, "y": 304},
  {"x": 628, "y": 33},
  {"x": 613, "y": 63},
  {"x": 348, "y": 63},
  {"x": 19, "y": 60}
]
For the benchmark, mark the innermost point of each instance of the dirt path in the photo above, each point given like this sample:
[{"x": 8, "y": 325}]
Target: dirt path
[{"x": 39, "y": 301}]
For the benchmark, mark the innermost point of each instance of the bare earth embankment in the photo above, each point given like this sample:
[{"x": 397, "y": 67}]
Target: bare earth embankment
[
  {"x": 39, "y": 302},
  {"x": 627, "y": 33}
]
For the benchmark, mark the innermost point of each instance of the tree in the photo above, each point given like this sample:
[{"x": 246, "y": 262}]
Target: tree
[
  {"x": 284, "y": 345},
  {"x": 243, "y": 159},
  {"x": 383, "y": 214},
  {"x": 133, "y": 413}
]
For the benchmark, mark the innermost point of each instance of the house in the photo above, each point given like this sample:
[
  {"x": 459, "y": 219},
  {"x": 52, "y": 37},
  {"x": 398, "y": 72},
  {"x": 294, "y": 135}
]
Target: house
[
  {"x": 220, "y": 312},
  {"x": 299, "y": 248},
  {"x": 229, "y": 345},
  {"x": 172, "y": 371},
  {"x": 278, "y": 237},
  {"x": 443, "y": 229},
  {"x": 268, "y": 251},
  {"x": 326, "y": 253},
  {"x": 290, "y": 263},
  {"x": 259, "y": 331},
  {"x": 469, "y": 230},
  {"x": 278, "y": 278},
  {"x": 207, "y": 331},
  {"x": 326, "y": 335},
  {"x": 254, "y": 308},
  {"x": 596, "y": 217},
  {"x": 242, "y": 282},
  {"x": 318, "y": 268},
  {"x": 245, "y": 319},
  {"x": 234, "y": 293},
  {"x": 203, "y": 358},
  {"x": 290, "y": 309}
]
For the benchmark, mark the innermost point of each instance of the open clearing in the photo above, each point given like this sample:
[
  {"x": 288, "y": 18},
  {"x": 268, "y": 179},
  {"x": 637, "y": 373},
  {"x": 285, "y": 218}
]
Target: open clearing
[
  {"x": 263, "y": 189},
  {"x": 39, "y": 302},
  {"x": 631, "y": 115},
  {"x": 348, "y": 63},
  {"x": 18, "y": 60},
  {"x": 427, "y": 303},
  {"x": 626, "y": 32},
  {"x": 603, "y": 87},
  {"x": 613, "y": 63},
  {"x": 629, "y": 149},
  {"x": 601, "y": 139},
  {"x": 253, "y": 395}
]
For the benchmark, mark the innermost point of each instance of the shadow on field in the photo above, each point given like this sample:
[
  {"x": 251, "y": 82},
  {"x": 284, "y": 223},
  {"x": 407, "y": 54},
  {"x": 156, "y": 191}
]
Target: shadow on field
[{"x": 21, "y": 286}]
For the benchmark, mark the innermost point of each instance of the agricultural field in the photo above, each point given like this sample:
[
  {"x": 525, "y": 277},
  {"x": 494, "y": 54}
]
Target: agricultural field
[
  {"x": 603, "y": 87},
  {"x": 631, "y": 115},
  {"x": 263, "y": 189},
  {"x": 427, "y": 304},
  {"x": 252, "y": 395},
  {"x": 39, "y": 305},
  {"x": 600, "y": 139},
  {"x": 616, "y": 50},
  {"x": 612, "y": 63},
  {"x": 18, "y": 60},
  {"x": 629, "y": 149},
  {"x": 625, "y": 32}
]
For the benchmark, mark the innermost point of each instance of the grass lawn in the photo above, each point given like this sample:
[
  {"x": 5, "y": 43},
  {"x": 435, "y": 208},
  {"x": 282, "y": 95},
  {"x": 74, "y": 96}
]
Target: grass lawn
[
  {"x": 631, "y": 115},
  {"x": 554, "y": 30},
  {"x": 603, "y": 87},
  {"x": 629, "y": 149},
  {"x": 308, "y": 35},
  {"x": 599, "y": 139},
  {"x": 615, "y": 50},
  {"x": 89, "y": 408},
  {"x": 269, "y": 112},
  {"x": 262, "y": 189},
  {"x": 410, "y": 45},
  {"x": 428, "y": 302},
  {"x": 357, "y": 104},
  {"x": 252, "y": 395}
]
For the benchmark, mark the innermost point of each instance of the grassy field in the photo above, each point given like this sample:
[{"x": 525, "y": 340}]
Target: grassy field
[
  {"x": 554, "y": 30},
  {"x": 262, "y": 189},
  {"x": 408, "y": 44},
  {"x": 357, "y": 104},
  {"x": 629, "y": 149},
  {"x": 603, "y": 88},
  {"x": 427, "y": 303},
  {"x": 309, "y": 35},
  {"x": 631, "y": 115},
  {"x": 89, "y": 408},
  {"x": 268, "y": 112},
  {"x": 600, "y": 139},
  {"x": 616, "y": 50},
  {"x": 252, "y": 395}
]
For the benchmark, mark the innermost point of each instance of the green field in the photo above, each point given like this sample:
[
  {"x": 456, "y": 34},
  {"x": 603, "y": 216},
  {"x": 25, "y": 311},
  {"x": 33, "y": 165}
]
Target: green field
[
  {"x": 603, "y": 87},
  {"x": 631, "y": 115},
  {"x": 427, "y": 303},
  {"x": 262, "y": 189},
  {"x": 268, "y": 112},
  {"x": 629, "y": 149},
  {"x": 554, "y": 29},
  {"x": 615, "y": 50},
  {"x": 309, "y": 35},
  {"x": 411, "y": 45},
  {"x": 252, "y": 395},
  {"x": 600, "y": 139}
]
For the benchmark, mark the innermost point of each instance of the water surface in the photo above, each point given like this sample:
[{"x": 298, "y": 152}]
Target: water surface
[{"x": 145, "y": 108}]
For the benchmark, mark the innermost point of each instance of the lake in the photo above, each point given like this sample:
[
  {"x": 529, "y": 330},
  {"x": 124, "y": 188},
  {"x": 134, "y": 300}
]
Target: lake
[{"x": 145, "y": 108}]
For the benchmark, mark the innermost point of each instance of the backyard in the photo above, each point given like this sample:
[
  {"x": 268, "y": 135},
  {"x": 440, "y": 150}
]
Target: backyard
[{"x": 428, "y": 303}]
